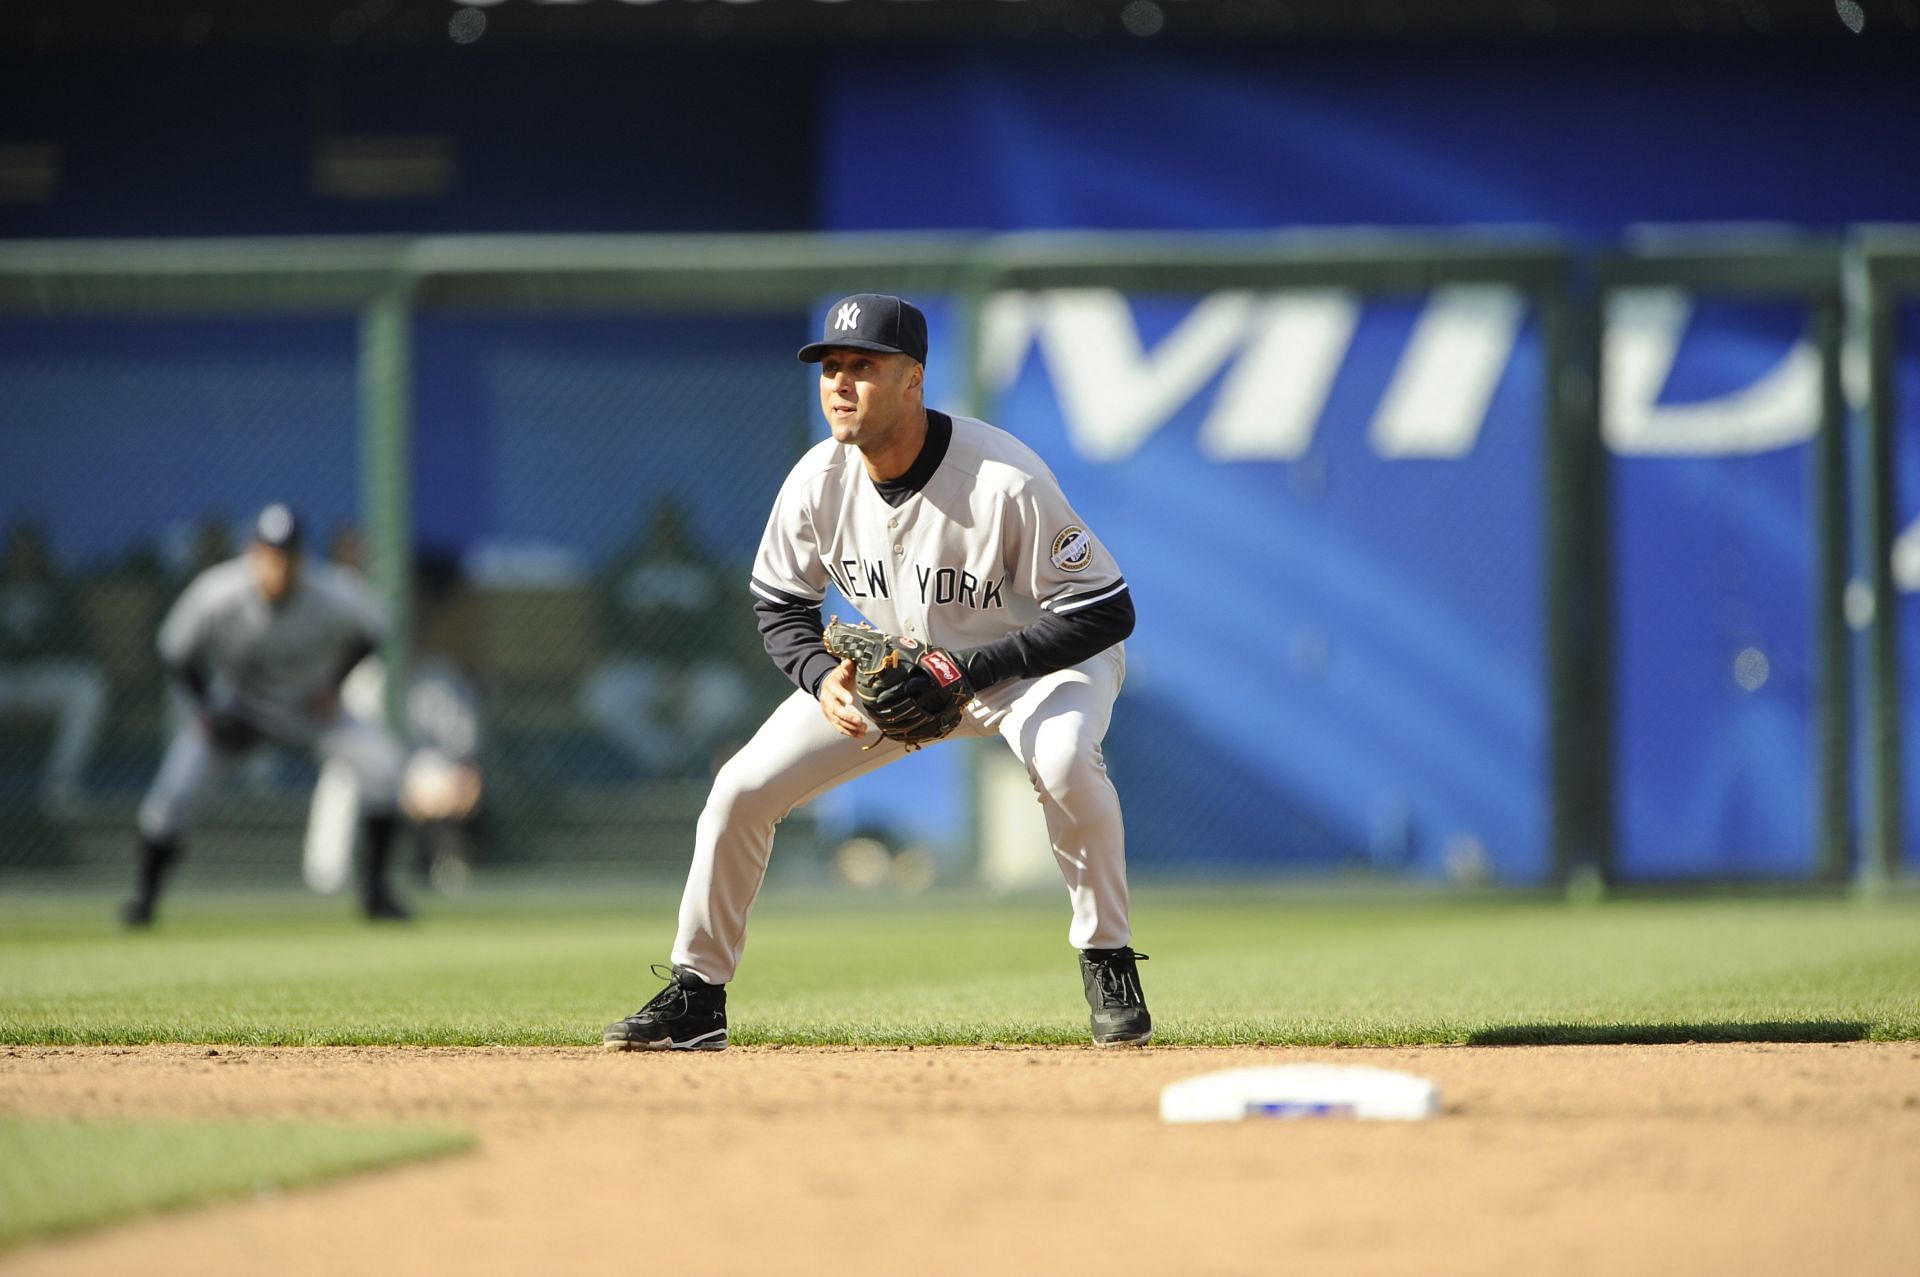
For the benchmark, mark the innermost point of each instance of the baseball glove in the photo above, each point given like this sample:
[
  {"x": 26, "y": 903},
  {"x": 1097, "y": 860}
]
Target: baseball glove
[
  {"x": 916, "y": 694},
  {"x": 229, "y": 731}
]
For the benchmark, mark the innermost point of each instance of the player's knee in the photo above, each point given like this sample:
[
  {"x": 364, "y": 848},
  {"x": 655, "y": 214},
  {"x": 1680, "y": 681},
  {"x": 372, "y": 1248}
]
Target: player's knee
[
  {"x": 382, "y": 798},
  {"x": 383, "y": 794},
  {"x": 733, "y": 813},
  {"x": 738, "y": 799},
  {"x": 159, "y": 820},
  {"x": 378, "y": 770},
  {"x": 1064, "y": 764}
]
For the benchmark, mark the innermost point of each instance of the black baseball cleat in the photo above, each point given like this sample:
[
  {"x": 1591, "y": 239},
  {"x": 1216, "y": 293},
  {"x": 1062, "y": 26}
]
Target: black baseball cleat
[
  {"x": 384, "y": 906},
  {"x": 1112, "y": 981},
  {"x": 137, "y": 913},
  {"x": 688, "y": 1015}
]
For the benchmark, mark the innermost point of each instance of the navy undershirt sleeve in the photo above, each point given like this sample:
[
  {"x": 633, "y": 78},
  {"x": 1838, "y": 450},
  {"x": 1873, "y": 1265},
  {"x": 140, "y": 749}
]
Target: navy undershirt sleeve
[
  {"x": 1050, "y": 643},
  {"x": 192, "y": 679},
  {"x": 791, "y": 632}
]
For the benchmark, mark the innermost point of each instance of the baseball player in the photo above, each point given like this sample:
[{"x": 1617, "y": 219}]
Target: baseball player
[
  {"x": 954, "y": 539},
  {"x": 260, "y": 645}
]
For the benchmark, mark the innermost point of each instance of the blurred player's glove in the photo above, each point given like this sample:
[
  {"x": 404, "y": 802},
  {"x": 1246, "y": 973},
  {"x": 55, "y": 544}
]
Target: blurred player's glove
[
  {"x": 230, "y": 732},
  {"x": 916, "y": 694}
]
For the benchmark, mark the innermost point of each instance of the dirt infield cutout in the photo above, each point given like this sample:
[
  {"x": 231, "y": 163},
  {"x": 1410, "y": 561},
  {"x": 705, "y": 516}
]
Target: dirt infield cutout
[{"x": 1755, "y": 1158}]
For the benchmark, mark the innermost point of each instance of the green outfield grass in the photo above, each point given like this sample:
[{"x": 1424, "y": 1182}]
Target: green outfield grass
[
  {"x": 1257, "y": 965},
  {"x": 61, "y": 1174}
]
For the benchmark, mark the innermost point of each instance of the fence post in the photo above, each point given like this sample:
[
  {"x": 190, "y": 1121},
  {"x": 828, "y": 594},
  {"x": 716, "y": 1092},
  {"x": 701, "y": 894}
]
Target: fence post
[
  {"x": 1579, "y": 592},
  {"x": 386, "y": 476},
  {"x": 1834, "y": 713},
  {"x": 1874, "y": 459}
]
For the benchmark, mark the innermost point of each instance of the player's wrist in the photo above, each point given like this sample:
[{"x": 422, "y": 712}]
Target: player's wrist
[
  {"x": 982, "y": 668},
  {"x": 813, "y": 676}
]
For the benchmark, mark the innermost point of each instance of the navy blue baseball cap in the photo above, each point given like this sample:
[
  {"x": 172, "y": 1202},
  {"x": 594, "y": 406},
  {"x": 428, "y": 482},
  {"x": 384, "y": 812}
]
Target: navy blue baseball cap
[
  {"x": 279, "y": 527},
  {"x": 871, "y": 321}
]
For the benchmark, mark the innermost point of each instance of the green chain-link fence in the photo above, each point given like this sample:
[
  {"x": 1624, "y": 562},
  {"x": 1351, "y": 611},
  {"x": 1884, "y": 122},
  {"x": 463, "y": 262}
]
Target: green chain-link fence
[{"x": 556, "y": 455}]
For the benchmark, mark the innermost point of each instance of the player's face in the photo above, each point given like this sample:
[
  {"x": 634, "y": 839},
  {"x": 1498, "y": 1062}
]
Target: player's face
[
  {"x": 274, "y": 570},
  {"x": 867, "y": 395}
]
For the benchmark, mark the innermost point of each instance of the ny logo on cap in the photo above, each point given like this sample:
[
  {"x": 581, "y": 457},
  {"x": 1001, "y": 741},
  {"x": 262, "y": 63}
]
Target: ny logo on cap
[{"x": 848, "y": 317}]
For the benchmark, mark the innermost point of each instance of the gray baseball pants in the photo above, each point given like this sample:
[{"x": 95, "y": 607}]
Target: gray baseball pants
[
  {"x": 193, "y": 766},
  {"x": 1054, "y": 724}
]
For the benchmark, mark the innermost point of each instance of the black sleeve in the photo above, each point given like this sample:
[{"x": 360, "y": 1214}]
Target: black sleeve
[
  {"x": 192, "y": 680},
  {"x": 1053, "y": 642},
  {"x": 791, "y": 629}
]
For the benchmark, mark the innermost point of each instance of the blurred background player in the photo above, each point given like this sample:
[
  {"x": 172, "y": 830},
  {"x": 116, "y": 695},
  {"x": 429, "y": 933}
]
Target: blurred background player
[
  {"x": 260, "y": 645},
  {"x": 665, "y": 697},
  {"x": 41, "y": 672}
]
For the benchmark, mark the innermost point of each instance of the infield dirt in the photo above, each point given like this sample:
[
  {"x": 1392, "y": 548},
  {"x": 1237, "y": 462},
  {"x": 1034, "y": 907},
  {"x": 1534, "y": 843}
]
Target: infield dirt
[{"x": 1751, "y": 1159}]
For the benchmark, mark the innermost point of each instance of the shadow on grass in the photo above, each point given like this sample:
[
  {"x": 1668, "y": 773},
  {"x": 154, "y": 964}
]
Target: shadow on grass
[{"x": 1646, "y": 1034}]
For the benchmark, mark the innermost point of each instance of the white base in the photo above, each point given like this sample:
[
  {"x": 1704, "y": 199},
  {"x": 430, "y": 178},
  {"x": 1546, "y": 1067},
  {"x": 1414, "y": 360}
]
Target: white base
[{"x": 1300, "y": 1090}]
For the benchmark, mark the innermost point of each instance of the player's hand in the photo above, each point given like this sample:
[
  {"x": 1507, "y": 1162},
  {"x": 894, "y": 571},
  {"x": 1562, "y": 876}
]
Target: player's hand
[
  {"x": 228, "y": 730},
  {"x": 324, "y": 704},
  {"x": 914, "y": 693},
  {"x": 838, "y": 702}
]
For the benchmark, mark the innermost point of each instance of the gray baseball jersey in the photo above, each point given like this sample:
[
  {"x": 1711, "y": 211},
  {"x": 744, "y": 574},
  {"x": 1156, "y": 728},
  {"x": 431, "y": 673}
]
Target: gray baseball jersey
[
  {"x": 980, "y": 552},
  {"x": 267, "y": 665},
  {"x": 268, "y": 662}
]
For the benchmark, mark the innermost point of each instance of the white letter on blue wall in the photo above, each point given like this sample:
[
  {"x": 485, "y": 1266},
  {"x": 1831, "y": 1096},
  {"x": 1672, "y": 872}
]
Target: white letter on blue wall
[
  {"x": 1440, "y": 393},
  {"x": 1271, "y": 401},
  {"x": 1643, "y": 331}
]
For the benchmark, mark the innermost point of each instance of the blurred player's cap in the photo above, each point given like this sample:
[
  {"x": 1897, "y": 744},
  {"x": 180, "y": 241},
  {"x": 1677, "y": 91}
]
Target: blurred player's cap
[
  {"x": 871, "y": 321},
  {"x": 279, "y": 527}
]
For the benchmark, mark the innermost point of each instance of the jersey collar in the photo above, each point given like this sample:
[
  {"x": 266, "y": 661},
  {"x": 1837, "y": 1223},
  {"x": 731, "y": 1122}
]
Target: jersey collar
[{"x": 939, "y": 436}]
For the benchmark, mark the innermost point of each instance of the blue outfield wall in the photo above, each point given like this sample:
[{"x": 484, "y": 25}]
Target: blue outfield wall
[
  {"x": 1716, "y": 675},
  {"x": 530, "y": 431},
  {"x": 566, "y": 432},
  {"x": 1392, "y": 599},
  {"x": 1907, "y": 568},
  {"x": 120, "y": 434},
  {"x": 1340, "y": 654}
]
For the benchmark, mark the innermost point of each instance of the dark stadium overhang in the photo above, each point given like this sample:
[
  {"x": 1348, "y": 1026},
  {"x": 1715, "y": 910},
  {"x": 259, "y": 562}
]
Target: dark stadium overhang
[{"x": 39, "y": 25}]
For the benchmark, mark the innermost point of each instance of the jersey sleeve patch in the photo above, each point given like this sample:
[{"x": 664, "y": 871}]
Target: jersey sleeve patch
[{"x": 1072, "y": 549}]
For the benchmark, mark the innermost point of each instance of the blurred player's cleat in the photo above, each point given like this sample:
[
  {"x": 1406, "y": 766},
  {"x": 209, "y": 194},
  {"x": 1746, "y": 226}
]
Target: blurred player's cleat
[
  {"x": 688, "y": 1015},
  {"x": 1113, "y": 991},
  {"x": 157, "y": 856},
  {"x": 384, "y": 906}
]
